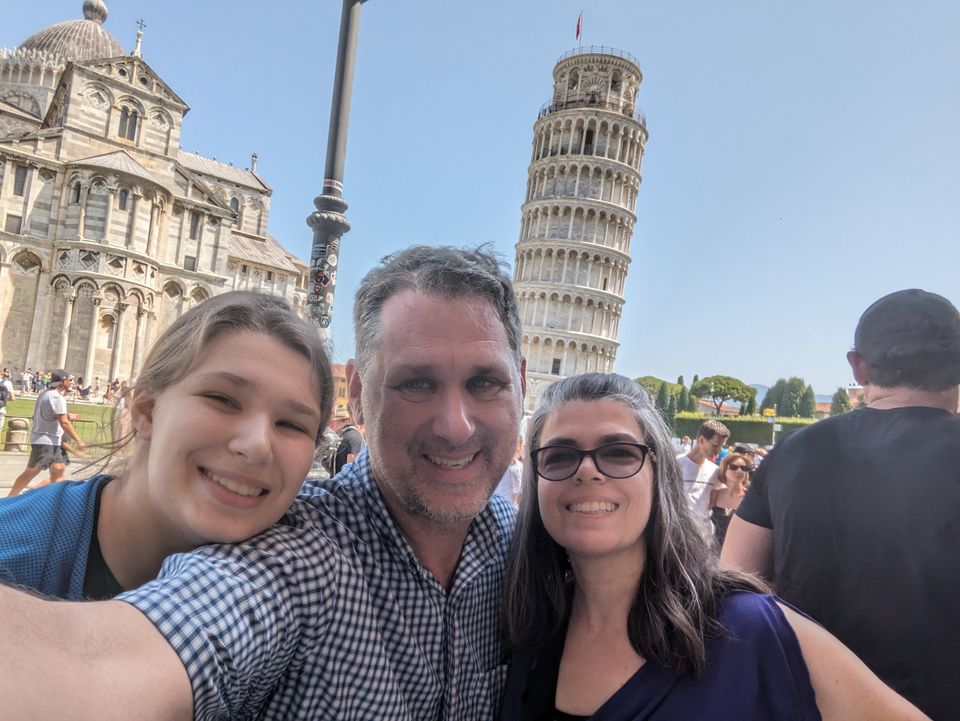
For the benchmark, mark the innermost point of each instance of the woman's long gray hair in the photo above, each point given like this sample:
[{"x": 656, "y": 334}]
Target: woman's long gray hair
[{"x": 675, "y": 608}]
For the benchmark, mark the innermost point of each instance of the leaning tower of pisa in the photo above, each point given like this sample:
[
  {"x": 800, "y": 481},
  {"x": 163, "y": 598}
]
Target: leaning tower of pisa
[{"x": 574, "y": 247}]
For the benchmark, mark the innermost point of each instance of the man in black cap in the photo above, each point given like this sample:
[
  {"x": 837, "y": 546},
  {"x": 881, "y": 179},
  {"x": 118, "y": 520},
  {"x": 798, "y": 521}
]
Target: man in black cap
[
  {"x": 50, "y": 422},
  {"x": 856, "y": 519}
]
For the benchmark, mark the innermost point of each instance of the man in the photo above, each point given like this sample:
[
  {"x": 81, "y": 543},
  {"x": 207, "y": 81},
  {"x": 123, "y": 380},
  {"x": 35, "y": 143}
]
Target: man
[
  {"x": 378, "y": 595},
  {"x": 26, "y": 381},
  {"x": 348, "y": 448},
  {"x": 50, "y": 422},
  {"x": 697, "y": 471},
  {"x": 6, "y": 394},
  {"x": 855, "y": 519}
]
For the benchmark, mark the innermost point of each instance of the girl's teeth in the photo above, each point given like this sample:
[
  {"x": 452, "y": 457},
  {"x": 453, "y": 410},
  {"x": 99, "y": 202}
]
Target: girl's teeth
[{"x": 238, "y": 488}]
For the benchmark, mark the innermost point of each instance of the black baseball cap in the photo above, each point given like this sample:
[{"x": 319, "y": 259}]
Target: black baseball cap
[
  {"x": 906, "y": 323},
  {"x": 57, "y": 377}
]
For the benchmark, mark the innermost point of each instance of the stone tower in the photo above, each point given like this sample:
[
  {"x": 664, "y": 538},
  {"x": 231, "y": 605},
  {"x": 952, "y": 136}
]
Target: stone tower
[{"x": 574, "y": 246}]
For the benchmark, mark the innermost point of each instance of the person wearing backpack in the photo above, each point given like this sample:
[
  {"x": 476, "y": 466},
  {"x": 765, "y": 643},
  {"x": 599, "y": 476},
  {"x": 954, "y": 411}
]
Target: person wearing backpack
[{"x": 350, "y": 445}]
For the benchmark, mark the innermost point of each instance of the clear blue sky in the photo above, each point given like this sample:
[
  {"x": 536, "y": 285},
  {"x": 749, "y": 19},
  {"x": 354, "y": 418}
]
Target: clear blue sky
[{"x": 804, "y": 158}]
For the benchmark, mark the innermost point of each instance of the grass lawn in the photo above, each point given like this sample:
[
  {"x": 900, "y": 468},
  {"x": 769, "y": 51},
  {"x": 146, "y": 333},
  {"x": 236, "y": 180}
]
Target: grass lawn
[{"x": 93, "y": 418}]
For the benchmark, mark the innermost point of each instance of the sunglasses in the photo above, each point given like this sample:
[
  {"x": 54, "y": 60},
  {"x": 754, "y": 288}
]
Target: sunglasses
[
  {"x": 614, "y": 460},
  {"x": 745, "y": 469}
]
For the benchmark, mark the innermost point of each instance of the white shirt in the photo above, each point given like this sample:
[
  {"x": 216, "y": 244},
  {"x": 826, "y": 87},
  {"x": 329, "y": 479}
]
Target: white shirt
[{"x": 698, "y": 482}]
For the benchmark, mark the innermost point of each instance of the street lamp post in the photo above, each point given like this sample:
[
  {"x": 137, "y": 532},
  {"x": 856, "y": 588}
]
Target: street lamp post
[{"x": 328, "y": 222}]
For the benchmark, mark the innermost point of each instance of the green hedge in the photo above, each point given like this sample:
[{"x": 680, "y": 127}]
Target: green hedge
[{"x": 743, "y": 429}]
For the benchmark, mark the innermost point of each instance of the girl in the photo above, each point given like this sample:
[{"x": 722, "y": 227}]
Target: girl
[
  {"x": 615, "y": 606},
  {"x": 729, "y": 487},
  {"x": 224, "y": 419}
]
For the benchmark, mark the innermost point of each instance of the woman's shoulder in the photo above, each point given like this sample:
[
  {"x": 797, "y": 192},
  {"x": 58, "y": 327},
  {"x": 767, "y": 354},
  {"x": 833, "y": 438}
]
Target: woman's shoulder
[{"x": 748, "y": 613}]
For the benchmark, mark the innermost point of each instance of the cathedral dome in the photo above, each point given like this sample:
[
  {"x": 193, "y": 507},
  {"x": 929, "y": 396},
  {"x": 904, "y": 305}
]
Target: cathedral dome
[{"x": 78, "y": 39}]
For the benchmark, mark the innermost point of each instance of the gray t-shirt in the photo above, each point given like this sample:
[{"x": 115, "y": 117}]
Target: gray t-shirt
[{"x": 46, "y": 418}]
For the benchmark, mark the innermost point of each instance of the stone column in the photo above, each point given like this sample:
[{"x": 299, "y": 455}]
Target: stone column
[
  {"x": 132, "y": 231},
  {"x": 65, "y": 328},
  {"x": 92, "y": 340},
  {"x": 61, "y": 217},
  {"x": 111, "y": 199},
  {"x": 138, "y": 342},
  {"x": 200, "y": 227},
  {"x": 117, "y": 357},
  {"x": 32, "y": 170},
  {"x": 184, "y": 219},
  {"x": 9, "y": 172},
  {"x": 216, "y": 248},
  {"x": 154, "y": 210},
  {"x": 82, "y": 218}
]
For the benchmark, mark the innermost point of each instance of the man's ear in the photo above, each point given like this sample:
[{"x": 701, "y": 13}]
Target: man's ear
[
  {"x": 859, "y": 366},
  {"x": 142, "y": 405},
  {"x": 355, "y": 391}
]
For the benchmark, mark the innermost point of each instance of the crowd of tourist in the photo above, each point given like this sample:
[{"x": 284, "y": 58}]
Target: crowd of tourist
[{"x": 633, "y": 582}]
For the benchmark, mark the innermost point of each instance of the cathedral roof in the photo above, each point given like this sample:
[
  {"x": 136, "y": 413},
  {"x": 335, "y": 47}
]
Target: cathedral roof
[
  {"x": 223, "y": 171},
  {"x": 118, "y": 161},
  {"x": 78, "y": 39},
  {"x": 263, "y": 250}
]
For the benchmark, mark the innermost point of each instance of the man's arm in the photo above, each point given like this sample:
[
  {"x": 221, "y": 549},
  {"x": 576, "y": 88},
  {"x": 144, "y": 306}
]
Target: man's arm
[
  {"x": 97, "y": 660},
  {"x": 68, "y": 428},
  {"x": 748, "y": 547}
]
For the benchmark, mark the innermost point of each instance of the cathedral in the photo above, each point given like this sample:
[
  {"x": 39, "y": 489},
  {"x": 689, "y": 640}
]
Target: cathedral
[{"x": 108, "y": 229}]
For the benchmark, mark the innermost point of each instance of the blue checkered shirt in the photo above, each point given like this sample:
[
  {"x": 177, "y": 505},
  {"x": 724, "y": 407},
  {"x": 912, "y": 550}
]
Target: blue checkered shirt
[{"x": 329, "y": 615}]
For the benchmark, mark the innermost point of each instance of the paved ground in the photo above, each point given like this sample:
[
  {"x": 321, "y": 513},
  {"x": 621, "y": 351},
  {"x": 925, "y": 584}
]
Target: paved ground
[{"x": 11, "y": 464}]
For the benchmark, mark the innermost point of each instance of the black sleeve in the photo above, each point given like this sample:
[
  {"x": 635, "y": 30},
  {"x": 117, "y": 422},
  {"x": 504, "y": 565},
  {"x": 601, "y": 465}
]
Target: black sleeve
[{"x": 755, "y": 507}]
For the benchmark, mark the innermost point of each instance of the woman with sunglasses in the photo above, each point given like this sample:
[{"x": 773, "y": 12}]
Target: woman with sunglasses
[
  {"x": 616, "y": 609},
  {"x": 729, "y": 487}
]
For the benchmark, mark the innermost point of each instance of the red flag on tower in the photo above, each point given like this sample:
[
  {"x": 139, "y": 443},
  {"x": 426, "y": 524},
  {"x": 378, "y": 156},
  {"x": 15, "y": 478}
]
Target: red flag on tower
[{"x": 579, "y": 24}]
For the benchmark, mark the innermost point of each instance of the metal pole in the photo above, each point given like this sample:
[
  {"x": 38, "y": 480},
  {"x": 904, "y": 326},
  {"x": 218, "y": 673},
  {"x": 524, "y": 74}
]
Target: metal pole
[{"x": 328, "y": 222}]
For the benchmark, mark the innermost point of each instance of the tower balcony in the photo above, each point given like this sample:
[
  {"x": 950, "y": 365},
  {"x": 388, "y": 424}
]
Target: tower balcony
[{"x": 593, "y": 103}]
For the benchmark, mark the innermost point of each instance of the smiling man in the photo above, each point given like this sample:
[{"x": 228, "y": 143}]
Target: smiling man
[{"x": 378, "y": 595}]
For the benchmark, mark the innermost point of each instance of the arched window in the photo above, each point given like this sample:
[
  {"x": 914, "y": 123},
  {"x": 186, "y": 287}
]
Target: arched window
[
  {"x": 122, "y": 198},
  {"x": 128, "y": 124},
  {"x": 235, "y": 205},
  {"x": 75, "y": 198}
]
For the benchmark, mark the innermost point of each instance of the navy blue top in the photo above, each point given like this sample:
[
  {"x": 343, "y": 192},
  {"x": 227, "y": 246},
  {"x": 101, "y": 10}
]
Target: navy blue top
[{"x": 756, "y": 671}]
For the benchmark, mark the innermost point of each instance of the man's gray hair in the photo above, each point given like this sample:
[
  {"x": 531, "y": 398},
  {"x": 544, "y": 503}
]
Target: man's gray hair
[{"x": 443, "y": 271}]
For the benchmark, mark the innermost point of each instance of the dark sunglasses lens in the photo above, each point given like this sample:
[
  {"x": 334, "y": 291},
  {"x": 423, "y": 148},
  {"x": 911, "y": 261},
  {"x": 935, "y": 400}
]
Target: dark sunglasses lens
[
  {"x": 740, "y": 468},
  {"x": 557, "y": 463},
  {"x": 620, "y": 460}
]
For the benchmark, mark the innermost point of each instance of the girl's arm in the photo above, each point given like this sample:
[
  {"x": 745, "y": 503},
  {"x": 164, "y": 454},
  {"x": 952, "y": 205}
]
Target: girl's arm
[{"x": 846, "y": 689}]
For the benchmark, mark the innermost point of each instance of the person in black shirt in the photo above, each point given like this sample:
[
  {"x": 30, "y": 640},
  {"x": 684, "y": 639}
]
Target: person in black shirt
[{"x": 855, "y": 519}]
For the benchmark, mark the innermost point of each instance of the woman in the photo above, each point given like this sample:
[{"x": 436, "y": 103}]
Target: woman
[
  {"x": 729, "y": 486},
  {"x": 223, "y": 420},
  {"x": 615, "y": 607}
]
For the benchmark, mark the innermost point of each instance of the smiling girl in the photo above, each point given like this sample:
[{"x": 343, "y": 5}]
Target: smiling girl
[{"x": 225, "y": 417}]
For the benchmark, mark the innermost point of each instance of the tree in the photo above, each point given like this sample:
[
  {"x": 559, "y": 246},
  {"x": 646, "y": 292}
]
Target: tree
[
  {"x": 720, "y": 389},
  {"x": 807, "y": 407},
  {"x": 693, "y": 403},
  {"x": 683, "y": 399},
  {"x": 651, "y": 384},
  {"x": 663, "y": 397},
  {"x": 785, "y": 396},
  {"x": 751, "y": 406},
  {"x": 680, "y": 381},
  {"x": 671, "y": 411},
  {"x": 840, "y": 403},
  {"x": 696, "y": 379}
]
